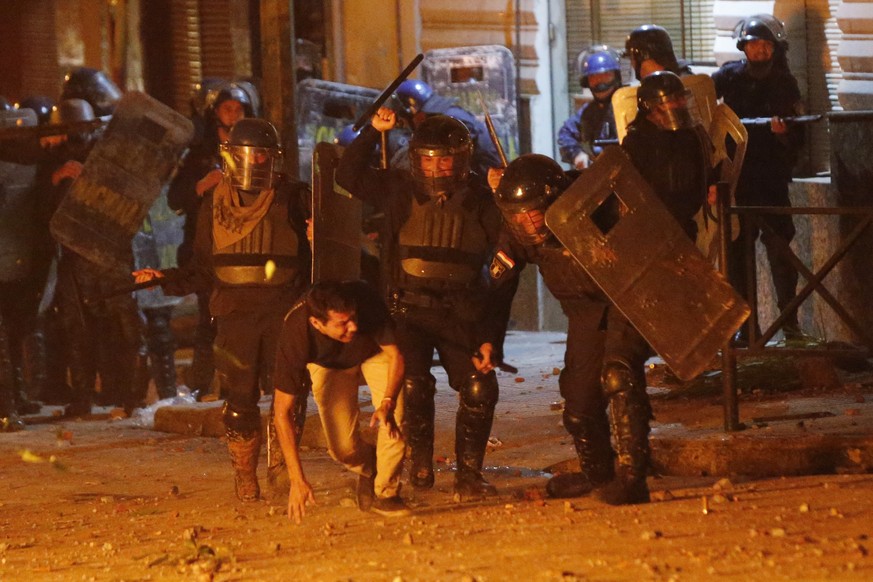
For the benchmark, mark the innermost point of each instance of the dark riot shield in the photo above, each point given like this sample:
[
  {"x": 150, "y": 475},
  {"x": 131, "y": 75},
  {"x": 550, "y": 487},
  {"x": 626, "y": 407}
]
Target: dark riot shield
[
  {"x": 620, "y": 232},
  {"x": 324, "y": 108},
  {"x": 122, "y": 177},
  {"x": 17, "y": 207},
  {"x": 466, "y": 72},
  {"x": 336, "y": 221}
]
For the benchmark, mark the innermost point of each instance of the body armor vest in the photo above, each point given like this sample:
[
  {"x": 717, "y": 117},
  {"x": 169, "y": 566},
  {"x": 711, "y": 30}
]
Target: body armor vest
[
  {"x": 441, "y": 246},
  {"x": 243, "y": 263},
  {"x": 565, "y": 278}
]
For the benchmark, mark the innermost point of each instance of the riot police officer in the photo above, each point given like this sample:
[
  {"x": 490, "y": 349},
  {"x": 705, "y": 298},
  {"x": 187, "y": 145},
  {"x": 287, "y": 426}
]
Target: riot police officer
[
  {"x": 420, "y": 101},
  {"x": 105, "y": 337},
  {"x": 439, "y": 226},
  {"x": 669, "y": 147},
  {"x": 250, "y": 247},
  {"x": 650, "y": 49},
  {"x": 530, "y": 184},
  {"x": 599, "y": 71},
  {"x": 221, "y": 104},
  {"x": 670, "y": 152},
  {"x": 761, "y": 85}
]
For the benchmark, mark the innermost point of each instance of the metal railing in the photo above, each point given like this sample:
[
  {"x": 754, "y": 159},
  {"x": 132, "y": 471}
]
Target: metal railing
[{"x": 814, "y": 284}]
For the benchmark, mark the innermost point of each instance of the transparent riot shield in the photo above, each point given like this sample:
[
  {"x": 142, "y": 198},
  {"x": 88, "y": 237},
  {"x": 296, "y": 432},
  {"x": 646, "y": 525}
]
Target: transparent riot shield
[
  {"x": 336, "y": 221},
  {"x": 17, "y": 207},
  {"x": 466, "y": 72},
  {"x": 123, "y": 176},
  {"x": 324, "y": 108},
  {"x": 620, "y": 232}
]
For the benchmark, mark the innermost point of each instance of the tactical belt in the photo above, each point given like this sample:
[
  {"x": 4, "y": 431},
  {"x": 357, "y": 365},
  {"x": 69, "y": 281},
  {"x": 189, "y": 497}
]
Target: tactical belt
[{"x": 412, "y": 299}]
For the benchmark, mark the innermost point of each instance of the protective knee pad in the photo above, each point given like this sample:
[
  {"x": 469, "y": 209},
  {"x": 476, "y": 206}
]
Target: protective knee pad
[
  {"x": 241, "y": 422},
  {"x": 581, "y": 425},
  {"x": 418, "y": 390},
  {"x": 480, "y": 392},
  {"x": 616, "y": 378}
]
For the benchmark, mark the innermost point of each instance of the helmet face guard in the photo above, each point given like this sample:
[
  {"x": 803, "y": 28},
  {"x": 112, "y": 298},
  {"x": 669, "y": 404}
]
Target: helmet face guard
[
  {"x": 665, "y": 101},
  {"x": 673, "y": 112},
  {"x": 437, "y": 139},
  {"x": 528, "y": 227},
  {"x": 529, "y": 186},
  {"x": 251, "y": 167},
  {"x": 425, "y": 163}
]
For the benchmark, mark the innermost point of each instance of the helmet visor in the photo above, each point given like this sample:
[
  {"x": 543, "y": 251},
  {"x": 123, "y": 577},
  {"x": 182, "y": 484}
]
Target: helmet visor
[
  {"x": 673, "y": 112},
  {"x": 251, "y": 168},
  {"x": 527, "y": 226}
]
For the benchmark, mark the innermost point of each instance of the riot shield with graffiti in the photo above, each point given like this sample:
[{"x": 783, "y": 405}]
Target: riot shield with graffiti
[
  {"x": 17, "y": 207},
  {"x": 122, "y": 177},
  {"x": 621, "y": 233},
  {"x": 336, "y": 221},
  {"x": 465, "y": 73}
]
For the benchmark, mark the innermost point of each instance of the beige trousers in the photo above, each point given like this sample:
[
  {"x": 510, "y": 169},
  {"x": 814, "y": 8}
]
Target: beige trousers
[{"x": 336, "y": 394}]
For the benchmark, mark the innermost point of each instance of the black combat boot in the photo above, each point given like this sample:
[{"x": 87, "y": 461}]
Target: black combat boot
[
  {"x": 418, "y": 420},
  {"x": 591, "y": 439},
  {"x": 472, "y": 429},
  {"x": 243, "y": 432},
  {"x": 244, "y": 451},
  {"x": 23, "y": 404},
  {"x": 9, "y": 420},
  {"x": 162, "y": 347},
  {"x": 629, "y": 414},
  {"x": 82, "y": 378}
]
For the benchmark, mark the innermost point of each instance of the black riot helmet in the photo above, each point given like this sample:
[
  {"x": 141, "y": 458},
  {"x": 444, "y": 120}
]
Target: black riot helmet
[
  {"x": 437, "y": 138},
  {"x": 94, "y": 87},
  {"x": 529, "y": 185},
  {"x": 42, "y": 105},
  {"x": 252, "y": 155},
  {"x": 72, "y": 111},
  {"x": 761, "y": 27},
  {"x": 650, "y": 41},
  {"x": 201, "y": 94},
  {"x": 241, "y": 91},
  {"x": 663, "y": 98}
]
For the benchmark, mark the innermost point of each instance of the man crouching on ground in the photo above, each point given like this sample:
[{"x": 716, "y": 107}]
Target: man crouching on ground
[{"x": 339, "y": 332}]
